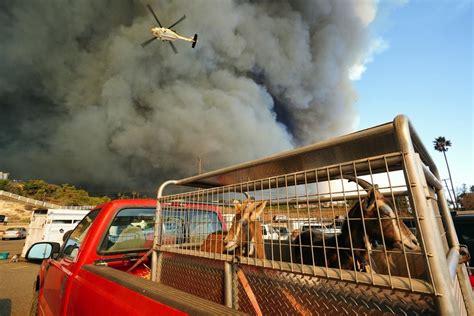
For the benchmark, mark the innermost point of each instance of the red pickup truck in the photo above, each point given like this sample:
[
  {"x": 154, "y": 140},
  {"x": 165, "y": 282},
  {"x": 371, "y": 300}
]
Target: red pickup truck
[{"x": 87, "y": 275}]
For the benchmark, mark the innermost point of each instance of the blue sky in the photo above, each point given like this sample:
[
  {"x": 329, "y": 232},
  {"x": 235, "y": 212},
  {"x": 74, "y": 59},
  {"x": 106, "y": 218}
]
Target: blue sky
[{"x": 426, "y": 73}]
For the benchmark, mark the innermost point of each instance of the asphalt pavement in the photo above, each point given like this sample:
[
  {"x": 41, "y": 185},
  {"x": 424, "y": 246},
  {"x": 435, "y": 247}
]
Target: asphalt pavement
[{"x": 16, "y": 281}]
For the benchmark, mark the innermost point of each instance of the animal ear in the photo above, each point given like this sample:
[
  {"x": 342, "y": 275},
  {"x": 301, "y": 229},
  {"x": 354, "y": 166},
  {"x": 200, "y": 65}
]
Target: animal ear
[
  {"x": 258, "y": 210},
  {"x": 241, "y": 207},
  {"x": 237, "y": 207}
]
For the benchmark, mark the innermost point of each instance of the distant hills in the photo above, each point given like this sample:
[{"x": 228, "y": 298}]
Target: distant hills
[{"x": 64, "y": 194}]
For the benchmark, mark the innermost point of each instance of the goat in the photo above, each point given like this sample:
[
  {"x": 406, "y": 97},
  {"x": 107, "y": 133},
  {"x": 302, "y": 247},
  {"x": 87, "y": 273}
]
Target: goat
[
  {"x": 350, "y": 249},
  {"x": 245, "y": 237}
]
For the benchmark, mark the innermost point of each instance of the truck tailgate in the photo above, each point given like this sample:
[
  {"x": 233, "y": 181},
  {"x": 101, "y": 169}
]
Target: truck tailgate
[{"x": 103, "y": 290}]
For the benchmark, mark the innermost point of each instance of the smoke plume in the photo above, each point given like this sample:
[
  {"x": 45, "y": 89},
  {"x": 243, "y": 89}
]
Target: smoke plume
[{"x": 82, "y": 102}]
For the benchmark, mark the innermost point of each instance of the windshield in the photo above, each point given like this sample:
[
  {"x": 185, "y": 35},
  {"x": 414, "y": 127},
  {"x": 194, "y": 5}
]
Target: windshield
[
  {"x": 73, "y": 243},
  {"x": 131, "y": 230}
]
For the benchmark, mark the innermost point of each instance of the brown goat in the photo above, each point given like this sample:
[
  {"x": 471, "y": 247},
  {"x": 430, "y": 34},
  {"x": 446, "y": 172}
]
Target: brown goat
[
  {"x": 245, "y": 237},
  {"x": 395, "y": 262},
  {"x": 350, "y": 249}
]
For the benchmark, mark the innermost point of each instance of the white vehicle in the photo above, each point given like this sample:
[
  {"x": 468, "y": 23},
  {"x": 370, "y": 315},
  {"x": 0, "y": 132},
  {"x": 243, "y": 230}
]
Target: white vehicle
[
  {"x": 269, "y": 232},
  {"x": 14, "y": 233},
  {"x": 51, "y": 225},
  {"x": 328, "y": 230},
  {"x": 283, "y": 232}
]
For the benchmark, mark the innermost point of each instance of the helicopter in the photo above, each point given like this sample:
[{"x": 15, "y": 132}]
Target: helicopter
[{"x": 168, "y": 34}]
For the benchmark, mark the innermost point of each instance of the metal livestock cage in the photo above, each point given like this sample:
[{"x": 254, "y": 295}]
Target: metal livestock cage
[{"x": 354, "y": 225}]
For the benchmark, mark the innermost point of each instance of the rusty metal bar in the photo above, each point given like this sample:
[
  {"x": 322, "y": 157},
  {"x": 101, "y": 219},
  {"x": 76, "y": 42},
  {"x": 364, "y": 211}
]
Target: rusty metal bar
[
  {"x": 453, "y": 261},
  {"x": 431, "y": 178},
  {"x": 284, "y": 182},
  {"x": 444, "y": 296},
  {"x": 305, "y": 158},
  {"x": 377, "y": 165},
  {"x": 453, "y": 242},
  {"x": 228, "y": 286},
  {"x": 155, "y": 260}
]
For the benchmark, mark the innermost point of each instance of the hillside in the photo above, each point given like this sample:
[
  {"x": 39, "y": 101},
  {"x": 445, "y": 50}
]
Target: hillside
[
  {"x": 16, "y": 212},
  {"x": 64, "y": 194},
  {"x": 41, "y": 191}
]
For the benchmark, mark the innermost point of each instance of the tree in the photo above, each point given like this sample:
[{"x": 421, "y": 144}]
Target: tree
[
  {"x": 461, "y": 193},
  {"x": 441, "y": 144},
  {"x": 65, "y": 194}
]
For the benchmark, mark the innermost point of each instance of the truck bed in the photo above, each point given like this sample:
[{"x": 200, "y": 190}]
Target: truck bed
[{"x": 124, "y": 290}]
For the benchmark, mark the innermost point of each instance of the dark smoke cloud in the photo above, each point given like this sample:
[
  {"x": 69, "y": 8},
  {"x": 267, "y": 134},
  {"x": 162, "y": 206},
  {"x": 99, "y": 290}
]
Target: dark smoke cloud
[{"x": 82, "y": 102}]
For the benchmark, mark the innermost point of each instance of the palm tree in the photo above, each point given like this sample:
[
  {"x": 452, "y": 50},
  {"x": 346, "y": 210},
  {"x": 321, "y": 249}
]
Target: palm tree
[{"x": 441, "y": 144}]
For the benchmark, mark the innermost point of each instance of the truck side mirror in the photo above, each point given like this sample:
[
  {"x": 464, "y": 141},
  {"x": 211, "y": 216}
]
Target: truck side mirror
[{"x": 42, "y": 250}]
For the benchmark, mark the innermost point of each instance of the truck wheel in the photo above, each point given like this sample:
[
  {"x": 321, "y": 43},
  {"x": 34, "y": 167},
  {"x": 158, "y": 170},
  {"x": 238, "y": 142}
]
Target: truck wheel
[{"x": 34, "y": 304}]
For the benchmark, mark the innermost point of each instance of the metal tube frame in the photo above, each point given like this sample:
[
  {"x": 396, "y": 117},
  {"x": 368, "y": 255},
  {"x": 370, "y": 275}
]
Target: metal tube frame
[
  {"x": 413, "y": 158},
  {"x": 453, "y": 242},
  {"x": 228, "y": 283},
  {"x": 156, "y": 259},
  {"x": 445, "y": 301},
  {"x": 157, "y": 255}
]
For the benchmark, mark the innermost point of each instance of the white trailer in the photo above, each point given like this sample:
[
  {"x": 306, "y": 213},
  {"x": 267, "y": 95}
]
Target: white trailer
[{"x": 51, "y": 225}]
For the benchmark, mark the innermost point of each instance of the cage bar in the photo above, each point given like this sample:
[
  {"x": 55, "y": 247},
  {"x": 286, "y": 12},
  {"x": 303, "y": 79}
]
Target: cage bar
[{"x": 352, "y": 210}]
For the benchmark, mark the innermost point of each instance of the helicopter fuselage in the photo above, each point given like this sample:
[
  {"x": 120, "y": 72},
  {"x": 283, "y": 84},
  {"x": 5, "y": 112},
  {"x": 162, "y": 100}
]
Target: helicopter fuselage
[{"x": 165, "y": 34}]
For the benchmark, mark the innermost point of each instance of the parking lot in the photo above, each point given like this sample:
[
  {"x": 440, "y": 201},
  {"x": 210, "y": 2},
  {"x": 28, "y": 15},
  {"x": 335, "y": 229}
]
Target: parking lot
[{"x": 16, "y": 281}]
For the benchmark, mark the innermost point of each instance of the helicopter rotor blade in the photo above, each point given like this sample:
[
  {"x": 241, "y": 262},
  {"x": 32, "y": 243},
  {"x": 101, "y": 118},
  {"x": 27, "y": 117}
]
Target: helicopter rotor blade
[
  {"x": 145, "y": 43},
  {"x": 173, "y": 47},
  {"x": 182, "y": 18},
  {"x": 154, "y": 15}
]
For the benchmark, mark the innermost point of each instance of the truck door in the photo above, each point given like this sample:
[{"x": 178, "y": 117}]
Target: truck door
[{"x": 59, "y": 272}]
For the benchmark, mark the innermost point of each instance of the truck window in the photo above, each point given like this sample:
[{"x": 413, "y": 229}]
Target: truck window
[
  {"x": 201, "y": 224},
  {"x": 131, "y": 230},
  {"x": 188, "y": 226},
  {"x": 73, "y": 243}
]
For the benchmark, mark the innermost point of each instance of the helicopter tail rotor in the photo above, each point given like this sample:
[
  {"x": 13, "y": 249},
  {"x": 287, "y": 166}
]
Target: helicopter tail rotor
[{"x": 195, "y": 40}]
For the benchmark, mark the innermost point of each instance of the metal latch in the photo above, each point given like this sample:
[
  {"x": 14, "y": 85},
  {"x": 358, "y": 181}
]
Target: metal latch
[{"x": 464, "y": 255}]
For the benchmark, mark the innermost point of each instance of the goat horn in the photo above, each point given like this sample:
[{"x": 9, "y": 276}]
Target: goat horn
[{"x": 364, "y": 184}]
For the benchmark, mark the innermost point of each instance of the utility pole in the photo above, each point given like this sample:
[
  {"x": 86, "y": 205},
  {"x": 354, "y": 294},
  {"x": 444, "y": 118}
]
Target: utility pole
[
  {"x": 442, "y": 144},
  {"x": 451, "y": 180},
  {"x": 449, "y": 192},
  {"x": 199, "y": 165}
]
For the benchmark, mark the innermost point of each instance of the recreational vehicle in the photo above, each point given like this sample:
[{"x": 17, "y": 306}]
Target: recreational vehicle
[{"x": 51, "y": 224}]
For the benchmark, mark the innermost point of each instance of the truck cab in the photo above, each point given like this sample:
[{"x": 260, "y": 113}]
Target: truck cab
[{"x": 115, "y": 234}]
